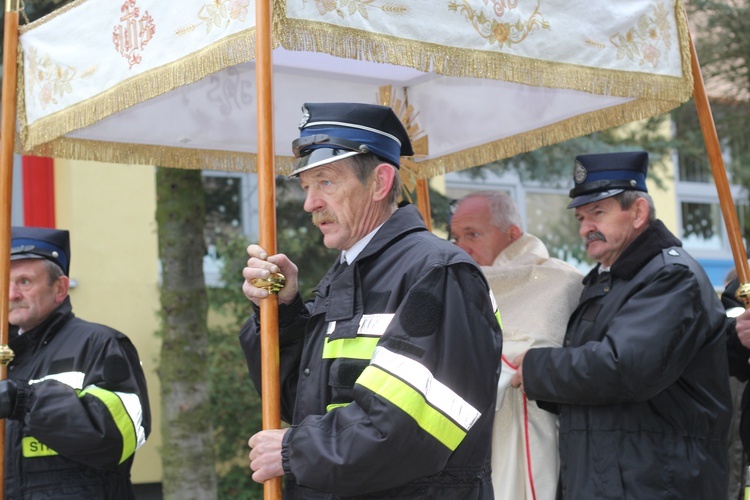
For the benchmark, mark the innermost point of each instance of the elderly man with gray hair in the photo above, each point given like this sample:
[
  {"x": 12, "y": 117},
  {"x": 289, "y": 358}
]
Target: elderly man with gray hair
[{"x": 535, "y": 295}]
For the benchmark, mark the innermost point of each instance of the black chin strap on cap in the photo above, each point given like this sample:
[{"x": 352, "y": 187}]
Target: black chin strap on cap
[{"x": 304, "y": 145}]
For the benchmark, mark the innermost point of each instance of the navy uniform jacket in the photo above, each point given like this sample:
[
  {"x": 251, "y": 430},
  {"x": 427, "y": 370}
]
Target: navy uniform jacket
[
  {"x": 641, "y": 380},
  {"x": 81, "y": 411},
  {"x": 389, "y": 377}
]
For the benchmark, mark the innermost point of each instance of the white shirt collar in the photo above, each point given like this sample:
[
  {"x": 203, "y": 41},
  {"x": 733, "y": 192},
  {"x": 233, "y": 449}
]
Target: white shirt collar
[{"x": 351, "y": 254}]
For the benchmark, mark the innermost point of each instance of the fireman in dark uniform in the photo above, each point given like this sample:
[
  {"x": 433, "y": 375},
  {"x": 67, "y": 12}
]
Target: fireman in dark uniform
[
  {"x": 641, "y": 381},
  {"x": 75, "y": 400},
  {"x": 389, "y": 376}
]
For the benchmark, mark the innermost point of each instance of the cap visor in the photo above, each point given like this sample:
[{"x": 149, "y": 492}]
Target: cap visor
[
  {"x": 585, "y": 199},
  {"x": 22, "y": 256}
]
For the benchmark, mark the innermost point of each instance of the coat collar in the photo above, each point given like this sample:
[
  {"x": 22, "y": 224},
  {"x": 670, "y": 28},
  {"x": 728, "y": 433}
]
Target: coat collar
[
  {"x": 43, "y": 332},
  {"x": 341, "y": 284},
  {"x": 655, "y": 238},
  {"x": 403, "y": 221}
]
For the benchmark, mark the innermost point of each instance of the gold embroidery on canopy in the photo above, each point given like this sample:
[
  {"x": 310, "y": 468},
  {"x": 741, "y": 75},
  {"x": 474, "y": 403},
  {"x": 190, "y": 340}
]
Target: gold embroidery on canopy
[
  {"x": 218, "y": 14},
  {"x": 352, "y": 7},
  {"x": 643, "y": 40},
  {"x": 49, "y": 81},
  {"x": 506, "y": 34}
]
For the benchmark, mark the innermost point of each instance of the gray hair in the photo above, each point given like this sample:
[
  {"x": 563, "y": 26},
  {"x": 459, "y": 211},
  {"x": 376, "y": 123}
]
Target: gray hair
[
  {"x": 364, "y": 165},
  {"x": 54, "y": 272},
  {"x": 627, "y": 198},
  {"x": 503, "y": 209}
]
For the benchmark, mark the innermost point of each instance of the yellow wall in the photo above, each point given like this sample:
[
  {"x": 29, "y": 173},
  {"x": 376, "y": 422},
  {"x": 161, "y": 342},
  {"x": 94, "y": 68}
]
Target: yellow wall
[
  {"x": 110, "y": 210},
  {"x": 664, "y": 196}
]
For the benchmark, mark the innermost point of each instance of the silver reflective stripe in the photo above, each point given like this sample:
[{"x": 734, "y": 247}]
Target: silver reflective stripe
[
  {"x": 374, "y": 324},
  {"x": 71, "y": 379},
  {"x": 434, "y": 391},
  {"x": 494, "y": 302},
  {"x": 370, "y": 324},
  {"x": 132, "y": 404}
]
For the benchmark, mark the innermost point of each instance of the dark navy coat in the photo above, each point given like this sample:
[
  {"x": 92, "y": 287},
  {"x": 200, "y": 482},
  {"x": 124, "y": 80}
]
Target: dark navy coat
[
  {"x": 389, "y": 377},
  {"x": 641, "y": 382}
]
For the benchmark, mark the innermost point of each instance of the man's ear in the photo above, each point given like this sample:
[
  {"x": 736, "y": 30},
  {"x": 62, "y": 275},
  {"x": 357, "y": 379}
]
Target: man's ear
[
  {"x": 61, "y": 286},
  {"x": 514, "y": 232},
  {"x": 640, "y": 217},
  {"x": 383, "y": 177}
]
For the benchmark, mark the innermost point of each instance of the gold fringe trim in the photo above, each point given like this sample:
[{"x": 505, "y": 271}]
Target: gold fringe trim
[
  {"x": 558, "y": 132},
  {"x": 164, "y": 156},
  {"x": 411, "y": 171},
  {"x": 301, "y": 35},
  {"x": 230, "y": 51},
  {"x": 683, "y": 35}
]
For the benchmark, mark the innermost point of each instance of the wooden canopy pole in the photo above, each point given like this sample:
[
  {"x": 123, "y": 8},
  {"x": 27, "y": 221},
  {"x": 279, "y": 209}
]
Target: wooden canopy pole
[
  {"x": 7, "y": 138},
  {"x": 711, "y": 138},
  {"x": 269, "y": 326}
]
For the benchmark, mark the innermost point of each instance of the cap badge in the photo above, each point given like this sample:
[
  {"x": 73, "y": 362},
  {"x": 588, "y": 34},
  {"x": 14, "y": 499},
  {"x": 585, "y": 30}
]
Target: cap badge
[
  {"x": 579, "y": 172},
  {"x": 305, "y": 117}
]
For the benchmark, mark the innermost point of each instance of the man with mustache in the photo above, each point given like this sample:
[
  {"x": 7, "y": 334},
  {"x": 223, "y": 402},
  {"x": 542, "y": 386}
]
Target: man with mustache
[
  {"x": 75, "y": 401},
  {"x": 641, "y": 381},
  {"x": 389, "y": 376}
]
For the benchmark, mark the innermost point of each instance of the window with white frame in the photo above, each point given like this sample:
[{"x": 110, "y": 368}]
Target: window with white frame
[
  {"x": 542, "y": 206},
  {"x": 701, "y": 225}
]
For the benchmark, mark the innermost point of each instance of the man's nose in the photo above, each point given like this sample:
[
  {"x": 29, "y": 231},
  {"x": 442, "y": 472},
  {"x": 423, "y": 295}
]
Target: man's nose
[
  {"x": 312, "y": 201},
  {"x": 585, "y": 228}
]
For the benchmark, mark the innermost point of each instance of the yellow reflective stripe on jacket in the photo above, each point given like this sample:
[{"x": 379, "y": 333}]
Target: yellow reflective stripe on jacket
[
  {"x": 495, "y": 308},
  {"x": 336, "y": 405},
  {"x": 33, "y": 448},
  {"x": 356, "y": 348},
  {"x": 122, "y": 419},
  {"x": 410, "y": 386},
  {"x": 371, "y": 328}
]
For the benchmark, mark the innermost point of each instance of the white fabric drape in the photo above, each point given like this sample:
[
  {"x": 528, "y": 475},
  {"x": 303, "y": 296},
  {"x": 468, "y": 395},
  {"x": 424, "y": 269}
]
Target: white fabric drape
[{"x": 535, "y": 295}]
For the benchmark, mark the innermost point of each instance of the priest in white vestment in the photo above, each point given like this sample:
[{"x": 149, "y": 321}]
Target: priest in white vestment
[{"x": 535, "y": 295}]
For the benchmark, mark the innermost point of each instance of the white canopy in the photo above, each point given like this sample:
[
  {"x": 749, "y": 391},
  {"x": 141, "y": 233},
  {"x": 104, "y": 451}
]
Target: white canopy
[{"x": 172, "y": 83}]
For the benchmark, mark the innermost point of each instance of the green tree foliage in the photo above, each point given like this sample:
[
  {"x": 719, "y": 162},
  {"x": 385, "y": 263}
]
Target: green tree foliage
[
  {"x": 187, "y": 434},
  {"x": 236, "y": 405}
]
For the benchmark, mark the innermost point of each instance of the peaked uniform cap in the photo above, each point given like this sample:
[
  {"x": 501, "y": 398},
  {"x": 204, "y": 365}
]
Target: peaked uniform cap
[
  {"x": 41, "y": 243},
  {"x": 333, "y": 131},
  {"x": 600, "y": 176}
]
